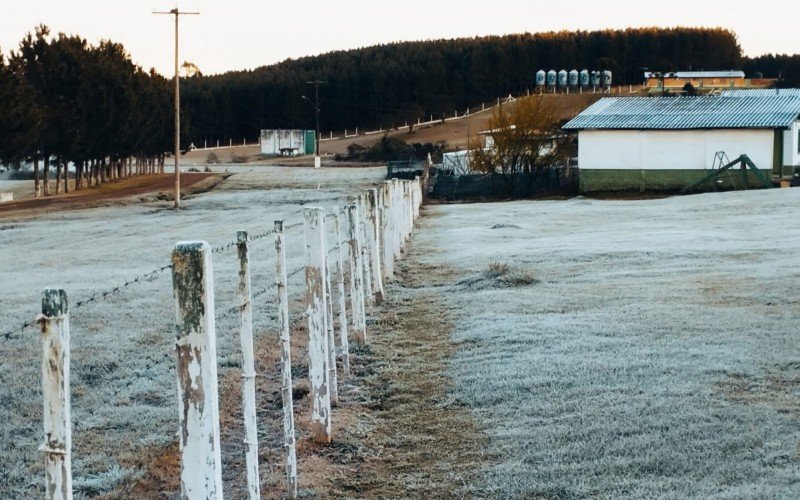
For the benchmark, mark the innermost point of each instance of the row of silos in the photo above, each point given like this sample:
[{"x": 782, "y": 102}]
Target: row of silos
[{"x": 574, "y": 78}]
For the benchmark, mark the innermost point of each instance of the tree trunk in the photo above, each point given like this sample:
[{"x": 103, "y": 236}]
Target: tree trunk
[
  {"x": 66, "y": 177},
  {"x": 96, "y": 172},
  {"x": 58, "y": 175},
  {"x": 36, "y": 181},
  {"x": 47, "y": 174}
]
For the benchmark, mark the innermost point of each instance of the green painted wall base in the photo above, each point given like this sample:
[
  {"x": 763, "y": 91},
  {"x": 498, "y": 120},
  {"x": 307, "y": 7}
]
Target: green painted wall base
[{"x": 661, "y": 180}]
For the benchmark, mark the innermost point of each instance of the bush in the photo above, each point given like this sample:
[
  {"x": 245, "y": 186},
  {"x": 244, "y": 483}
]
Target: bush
[{"x": 212, "y": 158}]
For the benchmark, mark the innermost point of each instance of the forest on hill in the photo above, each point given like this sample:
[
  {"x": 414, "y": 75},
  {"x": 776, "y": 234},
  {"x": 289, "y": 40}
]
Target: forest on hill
[
  {"x": 62, "y": 97},
  {"x": 388, "y": 84}
]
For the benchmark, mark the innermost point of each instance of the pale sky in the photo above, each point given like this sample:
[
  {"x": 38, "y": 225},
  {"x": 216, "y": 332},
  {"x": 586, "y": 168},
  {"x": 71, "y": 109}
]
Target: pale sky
[{"x": 244, "y": 34}]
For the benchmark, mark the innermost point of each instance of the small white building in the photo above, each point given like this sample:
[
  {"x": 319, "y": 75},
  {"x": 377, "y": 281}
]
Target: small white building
[
  {"x": 287, "y": 142},
  {"x": 666, "y": 143},
  {"x": 458, "y": 162}
]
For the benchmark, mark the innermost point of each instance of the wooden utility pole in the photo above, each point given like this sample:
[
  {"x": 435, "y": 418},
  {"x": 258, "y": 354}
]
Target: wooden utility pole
[
  {"x": 315, "y": 103},
  {"x": 177, "y": 13}
]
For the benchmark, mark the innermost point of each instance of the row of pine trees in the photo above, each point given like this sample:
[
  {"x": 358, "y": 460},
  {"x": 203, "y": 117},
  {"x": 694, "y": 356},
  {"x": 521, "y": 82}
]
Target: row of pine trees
[{"x": 66, "y": 102}]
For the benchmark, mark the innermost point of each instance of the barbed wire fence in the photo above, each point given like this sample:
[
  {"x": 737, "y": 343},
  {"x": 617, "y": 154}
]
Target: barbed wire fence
[{"x": 367, "y": 236}]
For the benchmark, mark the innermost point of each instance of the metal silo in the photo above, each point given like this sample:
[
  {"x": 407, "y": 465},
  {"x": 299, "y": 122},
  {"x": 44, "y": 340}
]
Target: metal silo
[
  {"x": 551, "y": 78},
  {"x": 573, "y": 78},
  {"x": 607, "y": 78},
  {"x": 584, "y": 78},
  {"x": 562, "y": 78},
  {"x": 541, "y": 78},
  {"x": 595, "y": 79}
]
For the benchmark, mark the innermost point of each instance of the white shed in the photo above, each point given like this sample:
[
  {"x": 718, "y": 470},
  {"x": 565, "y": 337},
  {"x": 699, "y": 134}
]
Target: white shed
[
  {"x": 666, "y": 143},
  {"x": 287, "y": 142}
]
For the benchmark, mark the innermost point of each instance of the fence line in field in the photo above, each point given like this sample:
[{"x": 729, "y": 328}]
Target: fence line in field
[{"x": 370, "y": 234}]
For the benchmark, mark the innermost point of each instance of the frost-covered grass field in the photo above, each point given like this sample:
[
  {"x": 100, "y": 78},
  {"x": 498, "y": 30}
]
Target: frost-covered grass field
[
  {"x": 630, "y": 349},
  {"x": 123, "y": 374}
]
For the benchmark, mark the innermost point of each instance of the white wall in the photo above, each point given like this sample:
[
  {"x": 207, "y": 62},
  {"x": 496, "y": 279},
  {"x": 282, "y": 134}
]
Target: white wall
[
  {"x": 273, "y": 140},
  {"x": 791, "y": 145},
  {"x": 671, "y": 150},
  {"x": 459, "y": 161}
]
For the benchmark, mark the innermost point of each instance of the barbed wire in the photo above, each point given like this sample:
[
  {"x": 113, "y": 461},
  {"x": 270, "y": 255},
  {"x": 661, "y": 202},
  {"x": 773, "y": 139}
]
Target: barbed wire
[
  {"x": 256, "y": 237},
  {"x": 295, "y": 272},
  {"x": 95, "y": 297},
  {"x": 334, "y": 248},
  {"x": 106, "y": 293},
  {"x": 238, "y": 308},
  {"x": 261, "y": 235},
  {"x": 149, "y": 276},
  {"x": 223, "y": 248}
]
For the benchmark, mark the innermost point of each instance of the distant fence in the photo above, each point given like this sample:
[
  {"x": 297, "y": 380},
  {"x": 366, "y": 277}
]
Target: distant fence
[
  {"x": 356, "y": 245},
  {"x": 554, "y": 180}
]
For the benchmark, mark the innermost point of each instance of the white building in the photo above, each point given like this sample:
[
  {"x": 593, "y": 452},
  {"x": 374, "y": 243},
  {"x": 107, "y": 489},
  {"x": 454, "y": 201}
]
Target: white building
[
  {"x": 666, "y": 143},
  {"x": 287, "y": 142}
]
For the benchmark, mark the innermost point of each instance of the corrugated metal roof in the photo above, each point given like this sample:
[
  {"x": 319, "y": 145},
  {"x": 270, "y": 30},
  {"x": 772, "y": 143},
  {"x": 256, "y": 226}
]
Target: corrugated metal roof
[
  {"x": 688, "y": 113},
  {"x": 710, "y": 74},
  {"x": 760, "y": 92},
  {"x": 698, "y": 74}
]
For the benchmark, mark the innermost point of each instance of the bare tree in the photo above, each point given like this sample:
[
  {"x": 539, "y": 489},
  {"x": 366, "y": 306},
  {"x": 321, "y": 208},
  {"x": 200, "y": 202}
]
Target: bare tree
[{"x": 524, "y": 143}]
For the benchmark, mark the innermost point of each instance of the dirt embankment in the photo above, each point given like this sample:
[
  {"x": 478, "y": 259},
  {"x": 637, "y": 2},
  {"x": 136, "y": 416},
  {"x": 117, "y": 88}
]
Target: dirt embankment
[
  {"x": 119, "y": 192},
  {"x": 457, "y": 133}
]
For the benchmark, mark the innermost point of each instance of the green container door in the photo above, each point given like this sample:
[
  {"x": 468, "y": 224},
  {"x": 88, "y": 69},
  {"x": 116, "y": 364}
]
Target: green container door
[{"x": 311, "y": 142}]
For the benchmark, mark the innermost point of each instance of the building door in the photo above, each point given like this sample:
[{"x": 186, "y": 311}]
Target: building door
[{"x": 777, "y": 156}]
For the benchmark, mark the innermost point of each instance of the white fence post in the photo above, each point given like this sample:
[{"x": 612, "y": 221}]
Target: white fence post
[
  {"x": 57, "y": 447},
  {"x": 344, "y": 342},
  {"x": 198, "y": 404},
  {"x": 417, "y": 196},
  {"x": 409, "y": 211},
  {"x": 386, "y": 227},
  {"x": 315, "y": 309},
  {"x": 289, "y": 446},
  {"x": 397, "y": 219},
  {"x": 373, "y": 228},
  {"x": 248, "y": 369},
  {"x": 363, "y": 235},
  {"x": 356, "y": 276},
  {"x": 333, "y": 379}
]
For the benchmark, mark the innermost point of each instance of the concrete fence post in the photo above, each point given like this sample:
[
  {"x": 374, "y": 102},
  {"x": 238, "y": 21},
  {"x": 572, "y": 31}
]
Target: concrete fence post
[
  {"x": 57, "y": 446},
  {"x": 403, "y": 220},
  {"x": 340, "y": 255},
  {"x": 409, "y": 209},
  {"x": 356, "y": 276},
  {"x": 379, "y": 229},
  {"x": 416, "y": 196},
  {"x": 373, "y": 229},
  {"x": 363, "y": 235},
  {"x": 196, "y": 346},
  {"x": 248, "y": 369},
  {"x": 331, "y": 336},
  {"x": 289, "y": 447},
  {"x": 386, "y": 227},
  {"x": 397, "y": 219},
  {"x": 317, "y": 331}
]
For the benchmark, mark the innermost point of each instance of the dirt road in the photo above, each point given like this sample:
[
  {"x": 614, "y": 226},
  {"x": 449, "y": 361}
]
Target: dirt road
[{"x": 116, "y": 192}]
